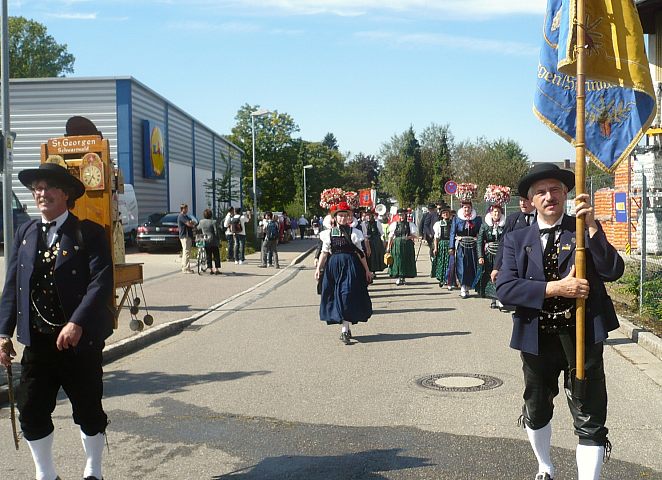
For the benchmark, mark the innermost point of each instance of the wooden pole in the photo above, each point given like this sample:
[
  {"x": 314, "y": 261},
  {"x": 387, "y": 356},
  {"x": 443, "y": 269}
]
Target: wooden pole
[{"x": 580, "y": 179}]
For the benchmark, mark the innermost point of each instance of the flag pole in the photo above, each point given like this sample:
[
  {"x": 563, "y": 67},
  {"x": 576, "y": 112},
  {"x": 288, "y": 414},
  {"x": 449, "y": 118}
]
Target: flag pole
[{"x": 580, "y": 180}]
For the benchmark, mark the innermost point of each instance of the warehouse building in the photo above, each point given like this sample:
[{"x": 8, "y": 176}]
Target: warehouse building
[{"x": 165, "y": 153}]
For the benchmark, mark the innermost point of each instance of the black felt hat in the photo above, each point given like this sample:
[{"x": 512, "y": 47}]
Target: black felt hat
[
  {"x": 542, "y": 171},
  {"x": 55, "y": 174}
]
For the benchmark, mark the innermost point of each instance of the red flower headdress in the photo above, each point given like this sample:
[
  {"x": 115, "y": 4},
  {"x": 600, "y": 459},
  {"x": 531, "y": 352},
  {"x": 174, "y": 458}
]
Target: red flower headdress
[
  {"x": 331, "y": 196},
  {"x": 497, "y": 195},
  {"x": 466, "y": 192}
]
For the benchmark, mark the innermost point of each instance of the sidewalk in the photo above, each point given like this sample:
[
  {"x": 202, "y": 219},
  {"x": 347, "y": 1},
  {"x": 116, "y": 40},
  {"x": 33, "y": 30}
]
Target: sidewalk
[{"x": 176, "y": 300}]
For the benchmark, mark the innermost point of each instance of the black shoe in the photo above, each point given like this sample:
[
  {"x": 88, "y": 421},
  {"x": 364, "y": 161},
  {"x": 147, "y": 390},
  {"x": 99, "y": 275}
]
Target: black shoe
[
  {"x": 345, "y": 338},
  {"x": 493, "y": 304},
  {"x": 543, "y": 476},
  {"x": 261, "y": 266},
  {"x": 86, "y": 478}
]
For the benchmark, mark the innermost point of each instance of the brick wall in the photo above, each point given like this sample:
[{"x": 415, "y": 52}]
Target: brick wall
[{"x": 605, "y": 212}]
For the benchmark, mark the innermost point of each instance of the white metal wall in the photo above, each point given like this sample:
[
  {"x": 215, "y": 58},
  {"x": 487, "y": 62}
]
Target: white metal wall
[
  {"x": 40, "y": 110},
  {"x": 180, "y": 186},
  {"x": 151, "y": 194},
  {"x": 203, "y": 198}
]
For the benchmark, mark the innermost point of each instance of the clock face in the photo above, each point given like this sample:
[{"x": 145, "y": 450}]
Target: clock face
[{"x": 91, "y": 176}]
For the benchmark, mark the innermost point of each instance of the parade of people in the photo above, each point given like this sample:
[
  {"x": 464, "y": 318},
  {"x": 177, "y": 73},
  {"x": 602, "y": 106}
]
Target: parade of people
[{"x": 439, "y": 226}]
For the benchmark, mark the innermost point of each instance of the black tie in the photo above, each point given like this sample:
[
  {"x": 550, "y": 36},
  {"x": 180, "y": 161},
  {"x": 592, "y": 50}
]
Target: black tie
[
  {"x": 45, "y": 227},
  {"x": 550, "y": 259},
  {"x": 528, "y": 217}
]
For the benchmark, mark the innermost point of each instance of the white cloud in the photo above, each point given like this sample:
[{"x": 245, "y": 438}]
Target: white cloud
[
  {"x": 203, "y": 26},
  {"x": 451, "y": 41},
  {"x": 456, "y": 8},
  {"x": 74, "y": 16}
]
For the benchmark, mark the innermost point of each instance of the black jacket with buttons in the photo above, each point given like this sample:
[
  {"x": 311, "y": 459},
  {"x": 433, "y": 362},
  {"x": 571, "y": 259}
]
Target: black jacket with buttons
[{"x": 83, "y": 280}]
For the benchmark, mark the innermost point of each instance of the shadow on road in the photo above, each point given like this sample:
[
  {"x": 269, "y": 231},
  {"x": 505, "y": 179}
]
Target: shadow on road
[
  {"x": 363, "y": 465},
  {"x": 409, "y": 310},
  {"x": 396, "y": 337},
  {"x": 121, "y": 382}
]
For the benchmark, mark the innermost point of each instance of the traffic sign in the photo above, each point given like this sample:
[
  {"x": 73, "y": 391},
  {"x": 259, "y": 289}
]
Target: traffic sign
[{"x": 450, "y": 187}]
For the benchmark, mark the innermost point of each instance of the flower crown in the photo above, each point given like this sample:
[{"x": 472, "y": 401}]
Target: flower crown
[
  {"x": 497, "y": 195},
  {"x": 466, "y": 192},
  {"x": 334, "y": 196}
]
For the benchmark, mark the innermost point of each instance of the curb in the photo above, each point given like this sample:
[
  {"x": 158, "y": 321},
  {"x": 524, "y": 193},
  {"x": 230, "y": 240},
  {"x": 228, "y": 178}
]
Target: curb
[
  {"x": 647, "y": 340},
  {"x": 118, "y": 350}
]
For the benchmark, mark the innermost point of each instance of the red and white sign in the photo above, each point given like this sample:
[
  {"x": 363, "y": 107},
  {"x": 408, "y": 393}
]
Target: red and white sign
[{"x": 450, "y": 187}]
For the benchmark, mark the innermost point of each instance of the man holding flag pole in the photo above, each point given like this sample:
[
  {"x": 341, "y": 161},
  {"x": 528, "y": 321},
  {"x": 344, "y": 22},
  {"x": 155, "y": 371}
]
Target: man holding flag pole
[{"x": 594, "y": 89}]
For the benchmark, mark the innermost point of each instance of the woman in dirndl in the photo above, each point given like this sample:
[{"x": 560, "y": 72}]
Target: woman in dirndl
[
  {"x": 401, "y": 237},
  {"x": 344, "y": 296},
  {"x": 489, "y": 240},
  {"x": 373, "y": 232},
  {"x": 442, "y": 233},
  {"x": 463, "y": 237}
]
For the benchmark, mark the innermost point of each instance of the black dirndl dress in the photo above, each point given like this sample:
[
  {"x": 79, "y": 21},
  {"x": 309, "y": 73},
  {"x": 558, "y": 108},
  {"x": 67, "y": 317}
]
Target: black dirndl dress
[
  {"x": 377, "y": 250},
  {"x": 344, "y": 287}
]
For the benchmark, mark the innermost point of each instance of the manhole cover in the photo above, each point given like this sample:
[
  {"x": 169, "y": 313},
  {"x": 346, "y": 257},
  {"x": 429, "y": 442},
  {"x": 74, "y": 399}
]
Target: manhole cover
[{"x": 459, "y": 382}]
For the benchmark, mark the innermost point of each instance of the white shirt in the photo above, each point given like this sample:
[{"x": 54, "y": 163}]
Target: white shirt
[
  {"x": 541, "y": 225},
  {"x": 325, "y": 237},
  {"x": 391, "y": 229},
  {"x": 52, "y": 232},
  {"x": 364, "y": 228}
]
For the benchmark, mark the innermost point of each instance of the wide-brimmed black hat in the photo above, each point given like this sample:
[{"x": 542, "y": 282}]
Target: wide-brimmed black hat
[
  {"x": 443, "y": 206},
  {"x": 55, "y": 174},
  {"x": 542, "y": 171}
]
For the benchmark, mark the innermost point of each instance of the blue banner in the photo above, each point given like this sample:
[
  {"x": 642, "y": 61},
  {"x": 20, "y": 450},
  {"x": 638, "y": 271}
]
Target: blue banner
[{"x": 620, "y": 103}]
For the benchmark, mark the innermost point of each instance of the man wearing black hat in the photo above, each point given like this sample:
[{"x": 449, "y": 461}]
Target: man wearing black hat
[
  {"x": 538, "y": 276},
  {"x": 57, "y": 296}
]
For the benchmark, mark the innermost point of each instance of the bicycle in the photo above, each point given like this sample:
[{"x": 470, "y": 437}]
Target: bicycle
[{"x": 202, "y": 254}]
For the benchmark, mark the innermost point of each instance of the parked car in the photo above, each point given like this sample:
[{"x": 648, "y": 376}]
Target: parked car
[
  {"x": 19, "y": 213},
  {"x": 128, "y": 210},
  {"x": 159, "y": 231}
]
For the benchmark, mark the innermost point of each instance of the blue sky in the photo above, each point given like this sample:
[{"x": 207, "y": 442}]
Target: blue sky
[{"x": 362, "y": 69}]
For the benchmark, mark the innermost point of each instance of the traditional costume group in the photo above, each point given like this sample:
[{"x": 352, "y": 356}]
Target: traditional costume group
[{"x": 463, "y": 239}]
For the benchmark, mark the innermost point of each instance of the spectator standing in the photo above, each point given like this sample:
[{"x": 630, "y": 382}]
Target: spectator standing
[
  {"x": 185, "y": 224},
  {"x": 270, "y": 242},
  {"x": 238, "y": 229},
  {"x": 294, "y": 228},
  {"x": 211, "y": 235},
  {"x": 228, "y": 233},
  {"x": 303, "y": 225}
]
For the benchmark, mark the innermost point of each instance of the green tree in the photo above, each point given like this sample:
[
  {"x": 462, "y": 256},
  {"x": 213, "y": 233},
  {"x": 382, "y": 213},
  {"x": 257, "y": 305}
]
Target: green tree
[
  {"x": 35, "y": 54},
  {"x": 362, "y": 171},
  {"x": 436, "y": 145},
  {"x": 484, "y": 162},
  {"x": 327, "y": 172},
  {"x": 276, "y": 154},
  {"x": 403, "y": 173},
  {"x": 330, "y": 141},
  {"x": 224, "y": 187}
]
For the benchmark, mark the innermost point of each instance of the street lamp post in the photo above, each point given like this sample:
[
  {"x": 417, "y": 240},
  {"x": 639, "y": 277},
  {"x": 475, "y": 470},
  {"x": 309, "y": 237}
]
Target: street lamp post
[
  {"x": 257, "y": 113},
  {"x": 305, "y": 203}
]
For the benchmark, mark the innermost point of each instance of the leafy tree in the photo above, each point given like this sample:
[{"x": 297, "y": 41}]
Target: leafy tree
[
  {"x": 226, "y": 190},
  {"x": 403, "y": 173},
  {"x": 330, "y": 141},
  {"x": 327, "y": 172},
  {"x": 276, "y": 156},
  {"x": 35, "y": 54},
  {"x": 436, "y": 144},
  {"x": 361, "y": 172},
  {"x": 484, "y": 162}
]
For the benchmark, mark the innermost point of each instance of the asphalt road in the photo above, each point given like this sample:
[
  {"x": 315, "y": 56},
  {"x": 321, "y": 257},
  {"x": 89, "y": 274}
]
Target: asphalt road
[{"x": 264, "y": 390}]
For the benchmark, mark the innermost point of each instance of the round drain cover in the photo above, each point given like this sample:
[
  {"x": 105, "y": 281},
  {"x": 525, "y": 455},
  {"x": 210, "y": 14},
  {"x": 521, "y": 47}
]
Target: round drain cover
[{"x": 459, "y": 382}]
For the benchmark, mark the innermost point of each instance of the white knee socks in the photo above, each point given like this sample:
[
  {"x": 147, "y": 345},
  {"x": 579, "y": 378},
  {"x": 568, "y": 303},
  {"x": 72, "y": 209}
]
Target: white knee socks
[
  {"x": 345, "y": 326},
  {"x": 94, "y": 452},
  {"x": 42, "y": 454},
  {"x": 541, "y": 442},
  {"x": 589, "y": 461}
]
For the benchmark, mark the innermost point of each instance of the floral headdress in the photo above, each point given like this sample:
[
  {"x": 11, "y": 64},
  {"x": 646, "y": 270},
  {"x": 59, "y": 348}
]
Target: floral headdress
[
  {"x": 497, "y": 195},
  {"x": 352, "y": 198},
  {"x": 466, "y": 192},
  {"x": 331, "y": 196}
]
